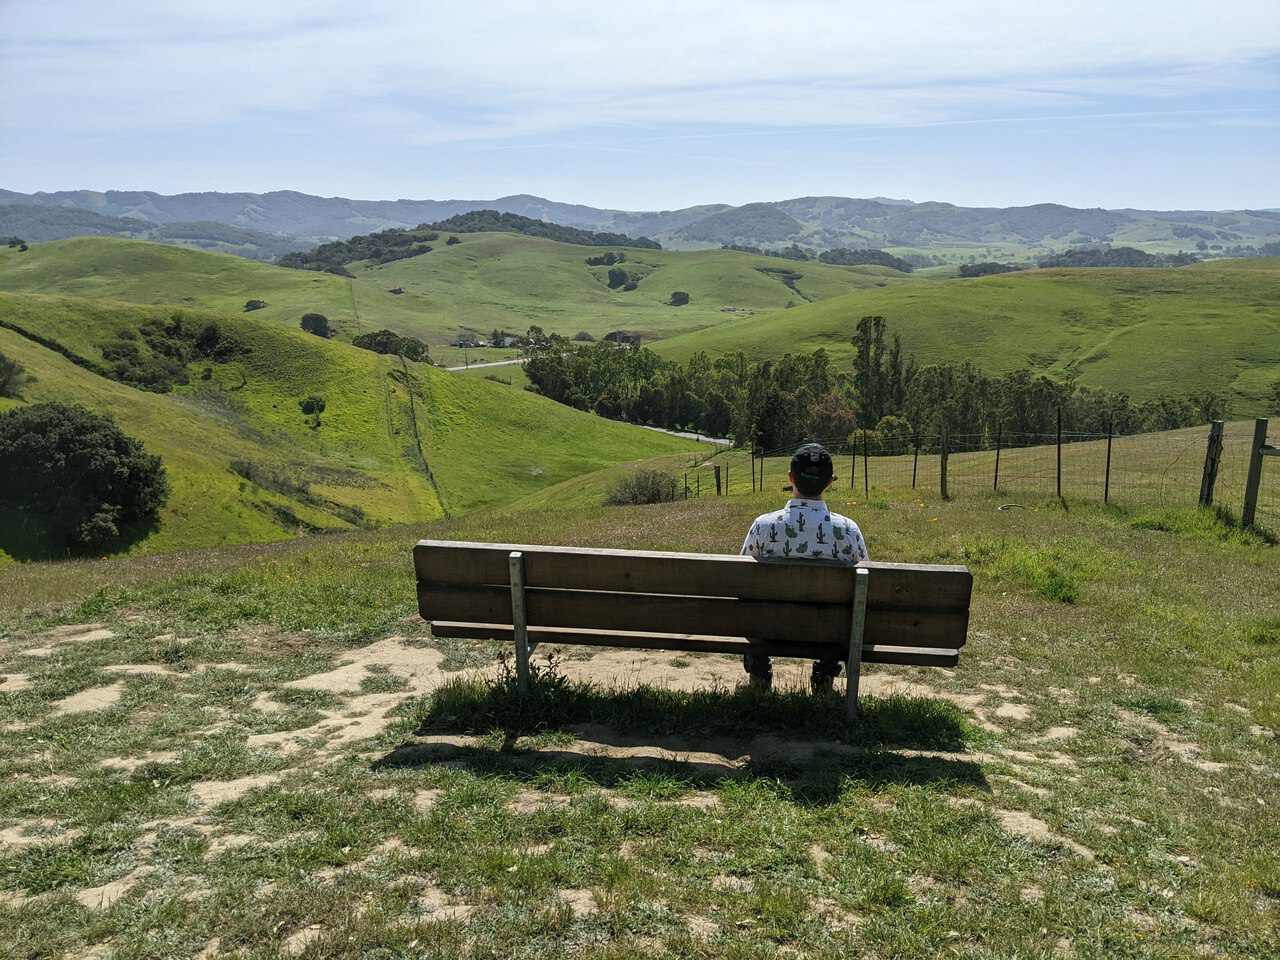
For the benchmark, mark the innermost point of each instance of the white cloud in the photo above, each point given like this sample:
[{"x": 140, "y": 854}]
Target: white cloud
[{"x": 448, "y": 71}]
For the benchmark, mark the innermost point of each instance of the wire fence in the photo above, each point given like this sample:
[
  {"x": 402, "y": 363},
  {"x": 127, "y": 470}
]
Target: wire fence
[{"x": 1134, "y": 470}]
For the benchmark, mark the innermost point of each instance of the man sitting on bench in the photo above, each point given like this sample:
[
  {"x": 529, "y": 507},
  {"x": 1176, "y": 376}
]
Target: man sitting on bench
[{"x": 803, "y": 530}]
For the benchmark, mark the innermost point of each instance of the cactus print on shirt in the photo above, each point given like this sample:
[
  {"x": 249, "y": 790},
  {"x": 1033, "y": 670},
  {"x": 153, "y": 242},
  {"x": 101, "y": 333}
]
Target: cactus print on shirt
[{"x": 805, "y": 530}]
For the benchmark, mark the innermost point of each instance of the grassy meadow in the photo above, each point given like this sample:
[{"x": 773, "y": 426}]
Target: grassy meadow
[
  {"x": 1214, "y": 325},
  {"x": 486, "y": 281},
  {"x": 260, "y": 751},
  {"x": 365, "y": 465}
]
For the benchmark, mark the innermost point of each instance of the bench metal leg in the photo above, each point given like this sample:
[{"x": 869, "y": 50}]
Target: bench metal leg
[
  {"x": 861, "y": 577},
  {"x": 519, "y": 621}
]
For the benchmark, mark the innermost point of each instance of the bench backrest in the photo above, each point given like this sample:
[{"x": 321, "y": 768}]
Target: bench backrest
[{"x": 916, "y": 613}]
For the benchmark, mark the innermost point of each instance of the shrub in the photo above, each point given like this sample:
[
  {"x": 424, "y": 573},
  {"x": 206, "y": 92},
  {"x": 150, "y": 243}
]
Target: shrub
[
  {"x": 679, "y": 298},
  {"x": 316, "y": 323},
  {"x": 452, "y": 240},
  {"x": 389, "y": 342},
  {"x": 617, "y": 277},
  {"x": 79, "y": 471},
  {"x": 583, "y": 337},
  {"x": 642, "y": 486},
  {"x": 312, "y": 406},
  {"x": 251, "y": 305},
  {"x": 13, "y": 376}
]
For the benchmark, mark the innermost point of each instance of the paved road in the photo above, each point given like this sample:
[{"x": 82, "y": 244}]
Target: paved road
[
  {"x": 490, "y": 363},
  {"x": 688, "y": 435}
]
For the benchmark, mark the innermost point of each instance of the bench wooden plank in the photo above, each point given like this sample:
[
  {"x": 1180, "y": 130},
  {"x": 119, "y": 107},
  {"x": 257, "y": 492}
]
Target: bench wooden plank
[
  {"x": 777, "y": 621},
  {"x": 696, "y": 643},
  {"x": 941, "y": 587}
]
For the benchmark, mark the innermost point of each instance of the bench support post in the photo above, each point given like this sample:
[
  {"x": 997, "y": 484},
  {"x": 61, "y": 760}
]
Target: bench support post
[
  {"x": 861, "y": 576},
  {"x": 519, "y": 622}
]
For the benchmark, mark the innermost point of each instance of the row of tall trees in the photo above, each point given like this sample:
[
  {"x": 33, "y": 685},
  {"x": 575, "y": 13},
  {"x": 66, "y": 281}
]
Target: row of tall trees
[{"x": 776, "y": 403}]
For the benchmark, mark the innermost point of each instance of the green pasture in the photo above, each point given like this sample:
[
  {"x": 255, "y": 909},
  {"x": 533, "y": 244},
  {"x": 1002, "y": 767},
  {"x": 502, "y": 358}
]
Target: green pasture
[{"x": 1146, "y": 332}]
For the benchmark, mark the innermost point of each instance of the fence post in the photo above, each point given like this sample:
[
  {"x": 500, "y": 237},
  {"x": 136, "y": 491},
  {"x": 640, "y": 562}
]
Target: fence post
[
  {"x": 995, "y": 484},
  {"x": 1255, "y": 472},
  {"x": 726, "y": 479},
  {"x": 942, "y": 463},
  {"x": 753, "y": 469},
  {"x": 1059, "y": 453},
  {"x": 697, "y": 485},
  {"x": 866, "y": 468},
  {"x": 1106, "y": 479},
  {"x": 717, "y": 470},
  {"x": 853, "y": 467},
  {"x": 915, "y": 461},
  {"x": 1212, "y": 454},
  {"x": 686, "y": 486}
]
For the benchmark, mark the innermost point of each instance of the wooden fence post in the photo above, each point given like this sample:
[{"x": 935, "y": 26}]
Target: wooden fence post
[
  {"x": 716, "y": 467},
  {"x": 1059, "y": 453},
  {"x": 853, "y": 467},
  {"x": 942, "y": 463},
  {"x": 1212, "y": 454},
  {"x": 995, "y": 484},
  {"x": 1257, "y": 450},
  {"x": 686, "y": 485}
]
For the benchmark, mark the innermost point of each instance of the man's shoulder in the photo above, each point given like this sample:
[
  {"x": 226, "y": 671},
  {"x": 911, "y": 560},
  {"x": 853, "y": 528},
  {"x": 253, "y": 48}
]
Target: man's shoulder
[{"x": 842, "y": 519}]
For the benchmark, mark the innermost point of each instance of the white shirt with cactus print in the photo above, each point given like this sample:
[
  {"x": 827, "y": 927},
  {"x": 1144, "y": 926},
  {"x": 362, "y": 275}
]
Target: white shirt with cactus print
[{"x": 805, "y": 530}]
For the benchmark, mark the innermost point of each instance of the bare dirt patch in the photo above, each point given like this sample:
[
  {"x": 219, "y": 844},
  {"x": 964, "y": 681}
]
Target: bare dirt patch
[
  {"x": 129, "y": 764},
  {"x": 437, "y": 905},
  {"x": 299, "y": 940},
  {"x": 1022, "y": 824},
  {"x": 30, "y": 832},
  {"x": 213, "y": 792},
  {"x": 1013, "y": 711},
  {"x": 105, "y": 896},
  {"x": 95, "y": 698},
  {"x": 419, "y": 666},
  {"x": 14, "y": 682},
  {"x": 1057, "y": 733},
  {"x": 581, "y": 902},
  {"x": 531, "y": 801},
  {"x": 140, "y": 669}
]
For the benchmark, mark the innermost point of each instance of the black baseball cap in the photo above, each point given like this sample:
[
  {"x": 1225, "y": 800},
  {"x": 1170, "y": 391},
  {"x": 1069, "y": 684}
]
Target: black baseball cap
[{"x": 812, "y": 463}]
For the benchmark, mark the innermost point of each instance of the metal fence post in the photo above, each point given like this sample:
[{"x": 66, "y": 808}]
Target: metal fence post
[
  {"x": 1251, "y": 485},
  {"x": 915, "y": 462},
  {"x": 1059, "y": 453},
  {"x": 866, "y": 467},
  {"x": 942, "y": 463},
  {"x": 1106, "y": 478},
  {"x": 1212, "y": 454}
]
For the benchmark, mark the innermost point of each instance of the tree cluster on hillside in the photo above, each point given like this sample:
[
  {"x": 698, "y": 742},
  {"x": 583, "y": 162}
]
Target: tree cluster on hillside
[
  {"x": 78, "y": 472},
  {"x": 170, "y": 344},
  {"x": 774, "y": 403},
  {"x": 317, "y": 324},
  {"x": 1116, "y": 257},
  {"x": 606, "y": 259},
  {"x": 987, "y": 268},
  {"x": 13, "y": 376},
  {"x": 389, "y": 342},
  {"x": 385, "y": 246},
  {"x": 846, "y": 257},
  {"x": 486, "y": 221}
]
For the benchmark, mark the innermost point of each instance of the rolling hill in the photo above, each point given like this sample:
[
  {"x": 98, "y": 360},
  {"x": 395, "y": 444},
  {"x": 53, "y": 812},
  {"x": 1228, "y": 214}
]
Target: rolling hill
[
  {"x": 1147, "y": 332},
  {"x": 396, "y": 442},
  {"x": 488, "y": 280},
  {"x": 934, "y": 229}
]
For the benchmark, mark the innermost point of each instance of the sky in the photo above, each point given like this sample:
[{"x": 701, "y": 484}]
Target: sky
[{"x": 660, "y": 105}]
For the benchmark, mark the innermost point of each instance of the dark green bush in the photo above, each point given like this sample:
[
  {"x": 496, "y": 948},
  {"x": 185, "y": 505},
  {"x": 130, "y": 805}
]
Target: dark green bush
[
  {"x": 642, "y": 486},
  {"x": 316, "y": 323},
  {"x": 389, "y": 342},
  {"x": 250, "y": 305},
  {"x": 79, "y": 472},
  {"x": 13, "y": 376},
  {"x": 679, "y": 298}
]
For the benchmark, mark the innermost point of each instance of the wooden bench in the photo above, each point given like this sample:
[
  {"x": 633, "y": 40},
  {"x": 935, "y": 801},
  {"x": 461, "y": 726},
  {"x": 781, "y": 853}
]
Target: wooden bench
[{"x": 914, "y": 614}]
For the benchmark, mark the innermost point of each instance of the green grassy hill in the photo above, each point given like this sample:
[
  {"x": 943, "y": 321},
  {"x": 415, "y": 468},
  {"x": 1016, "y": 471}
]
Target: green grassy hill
[
  {"x": 247, "y": 465},
  {"x": 488, "y": 280},
  {"x": 1143, "y": 331}
]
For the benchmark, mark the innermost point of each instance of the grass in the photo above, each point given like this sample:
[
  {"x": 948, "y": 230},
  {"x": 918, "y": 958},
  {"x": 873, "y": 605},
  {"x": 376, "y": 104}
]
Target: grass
[
  {"x": 1213, "y": 326},
  {"x": 246, "y": 465},
  {"x": 487, "y": 281},
  {"x": 604, "y": 821}
]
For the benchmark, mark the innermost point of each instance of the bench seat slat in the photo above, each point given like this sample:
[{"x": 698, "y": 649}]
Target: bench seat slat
[
  {"x": 917, "y": 587},
  {"x": 777, "y": 621},
  {"x": 924, "y": 657}
]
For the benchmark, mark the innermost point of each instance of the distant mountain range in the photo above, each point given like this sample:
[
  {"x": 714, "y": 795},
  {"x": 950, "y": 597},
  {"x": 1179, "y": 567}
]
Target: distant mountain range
[{"x": 285, "y": 220}]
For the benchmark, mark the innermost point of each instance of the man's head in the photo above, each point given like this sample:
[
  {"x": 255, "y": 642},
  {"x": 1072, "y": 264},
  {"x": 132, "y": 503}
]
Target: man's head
[{"x": 811, "y": 470}]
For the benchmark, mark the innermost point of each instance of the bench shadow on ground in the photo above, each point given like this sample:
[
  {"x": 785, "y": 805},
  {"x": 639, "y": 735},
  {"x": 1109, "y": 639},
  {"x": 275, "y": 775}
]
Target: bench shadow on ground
[{"x": 563, "y": 729}]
